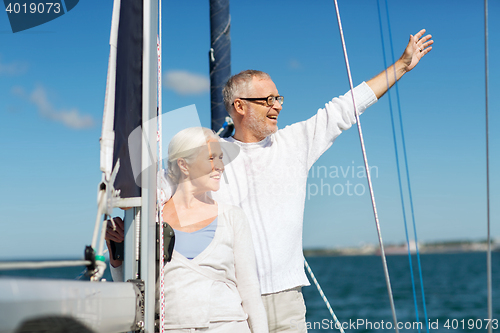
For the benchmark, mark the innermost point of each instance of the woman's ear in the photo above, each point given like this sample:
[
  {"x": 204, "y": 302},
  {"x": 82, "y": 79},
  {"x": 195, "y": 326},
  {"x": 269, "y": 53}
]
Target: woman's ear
[{"x": 183, "y": 166}]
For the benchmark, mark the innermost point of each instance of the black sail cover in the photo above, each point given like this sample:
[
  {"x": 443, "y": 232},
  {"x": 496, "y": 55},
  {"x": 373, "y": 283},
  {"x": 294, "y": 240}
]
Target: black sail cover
[
  {"x": 128, "y": 93},
  {"x": 220, "y": 60}
]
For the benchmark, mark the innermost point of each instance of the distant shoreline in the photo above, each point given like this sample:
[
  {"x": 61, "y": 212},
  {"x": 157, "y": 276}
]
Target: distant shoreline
[
  {"x": 363, "y": 250},
  {"x": 402, "y": 249}
]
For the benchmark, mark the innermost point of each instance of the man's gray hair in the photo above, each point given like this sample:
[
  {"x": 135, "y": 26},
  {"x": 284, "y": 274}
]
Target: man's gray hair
[{"x": 239, "y": 86}]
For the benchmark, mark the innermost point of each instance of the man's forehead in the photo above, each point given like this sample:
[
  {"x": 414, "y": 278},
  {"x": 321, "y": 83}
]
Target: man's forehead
[{"x": 263, "y": 84}]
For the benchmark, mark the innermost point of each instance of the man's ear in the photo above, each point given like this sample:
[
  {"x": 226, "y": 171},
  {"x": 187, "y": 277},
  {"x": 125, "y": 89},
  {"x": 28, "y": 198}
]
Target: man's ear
[{"x": 239, "y": 107}]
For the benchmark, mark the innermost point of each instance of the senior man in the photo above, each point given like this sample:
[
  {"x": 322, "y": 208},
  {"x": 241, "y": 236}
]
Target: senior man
[{"x": 268, "y": 177}]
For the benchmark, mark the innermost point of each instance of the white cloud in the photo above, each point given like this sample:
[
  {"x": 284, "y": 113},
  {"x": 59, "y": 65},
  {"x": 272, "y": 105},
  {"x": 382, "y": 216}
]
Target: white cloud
[
  {"x": 13, "y": 68},
  {"x": 71, "y": 118},
  {"x": 186, "y": 83}
]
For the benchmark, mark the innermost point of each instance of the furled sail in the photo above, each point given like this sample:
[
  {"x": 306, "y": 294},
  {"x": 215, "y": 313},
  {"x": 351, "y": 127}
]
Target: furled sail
[
  {"x": 123, "y": 110},
  {"x": 220, "y": 63}
]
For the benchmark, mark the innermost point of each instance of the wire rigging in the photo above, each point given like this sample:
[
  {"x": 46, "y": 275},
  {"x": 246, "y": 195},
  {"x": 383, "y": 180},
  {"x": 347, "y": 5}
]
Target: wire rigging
[
  {"x": 397, "y": 166},
  {"x": 488, "y": 256},
  {"x": 368, "y": 176},
  {"x": 405, "y": 159}
]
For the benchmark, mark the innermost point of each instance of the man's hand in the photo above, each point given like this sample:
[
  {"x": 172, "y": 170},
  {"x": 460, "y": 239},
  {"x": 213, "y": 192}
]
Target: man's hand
[
  {"x": 114, "y": 232},
  {"x": 417, "y": 47}
]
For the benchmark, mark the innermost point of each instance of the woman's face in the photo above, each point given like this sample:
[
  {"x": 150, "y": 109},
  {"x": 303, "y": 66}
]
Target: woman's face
[{"x": 206, "y": 170}]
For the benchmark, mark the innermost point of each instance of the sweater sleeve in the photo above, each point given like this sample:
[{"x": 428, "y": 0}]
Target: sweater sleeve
[
  {"x": 318, "y": 132},
  {"x": 116, "y": 273},
  {"x": 246, "y": 274}
]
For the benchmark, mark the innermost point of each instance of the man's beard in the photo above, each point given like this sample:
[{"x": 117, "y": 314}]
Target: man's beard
[{"x": 259, "y": 126}]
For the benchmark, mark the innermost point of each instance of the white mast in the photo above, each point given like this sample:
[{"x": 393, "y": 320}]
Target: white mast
[{"x": 148, "y": 181}]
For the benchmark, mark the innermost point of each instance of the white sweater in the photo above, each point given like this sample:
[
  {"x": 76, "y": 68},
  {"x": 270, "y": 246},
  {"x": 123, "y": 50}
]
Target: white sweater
[
  {"x": 268, "y": 180},
  {"x": 219, "y": 284}
]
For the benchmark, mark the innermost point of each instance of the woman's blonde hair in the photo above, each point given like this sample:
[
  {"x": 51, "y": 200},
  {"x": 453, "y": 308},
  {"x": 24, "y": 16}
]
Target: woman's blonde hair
[{"x": 186, "y": 145}]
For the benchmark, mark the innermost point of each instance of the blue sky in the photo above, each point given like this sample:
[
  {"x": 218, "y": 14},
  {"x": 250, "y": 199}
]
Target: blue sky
[{"x": 53, "y": 77}]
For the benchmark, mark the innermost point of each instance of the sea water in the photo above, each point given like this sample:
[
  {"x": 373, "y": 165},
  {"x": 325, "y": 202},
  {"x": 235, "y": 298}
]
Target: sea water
[
  {"x": 66, "y": 273},
  {"x": 455, "y": 290}
]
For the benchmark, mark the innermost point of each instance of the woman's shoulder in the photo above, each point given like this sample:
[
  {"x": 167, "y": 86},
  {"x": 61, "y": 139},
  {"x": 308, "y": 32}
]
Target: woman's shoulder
[
  {"x": 227, "y": 208},
  {"x": 231, "y": 213}
]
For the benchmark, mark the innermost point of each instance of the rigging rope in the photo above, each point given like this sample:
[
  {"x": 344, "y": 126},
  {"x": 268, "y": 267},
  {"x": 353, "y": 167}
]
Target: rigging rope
[
  {"x": 406, "y": 168},
  {"x": 368, "y": 176},
  {"x": 488, "y": 256},
  {"x": 43, "y": 264},
  {"x": 337, "y": 323}
]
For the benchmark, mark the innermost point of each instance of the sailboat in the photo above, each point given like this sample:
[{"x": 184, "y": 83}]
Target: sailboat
[
  {"x": 122, "y": 318},
  {"x": 131, "y": 102}
]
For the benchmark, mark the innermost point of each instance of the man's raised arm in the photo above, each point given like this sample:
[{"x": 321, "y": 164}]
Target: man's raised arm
[{"x": 417, "y": 47}]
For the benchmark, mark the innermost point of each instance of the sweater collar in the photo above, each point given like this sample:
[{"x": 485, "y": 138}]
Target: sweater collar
[{"x": 252, "y": 145}]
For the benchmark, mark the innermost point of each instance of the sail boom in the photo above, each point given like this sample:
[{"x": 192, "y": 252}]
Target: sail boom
[{"x": 101, "y": 306}]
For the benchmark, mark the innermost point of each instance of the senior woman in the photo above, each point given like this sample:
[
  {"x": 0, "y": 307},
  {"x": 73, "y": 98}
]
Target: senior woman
[{"x": 211, "y": 282}]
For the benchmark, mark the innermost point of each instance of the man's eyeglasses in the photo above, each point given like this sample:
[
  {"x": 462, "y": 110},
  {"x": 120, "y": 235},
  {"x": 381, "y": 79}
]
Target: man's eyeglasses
[{"x": 270, "y": 100}]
